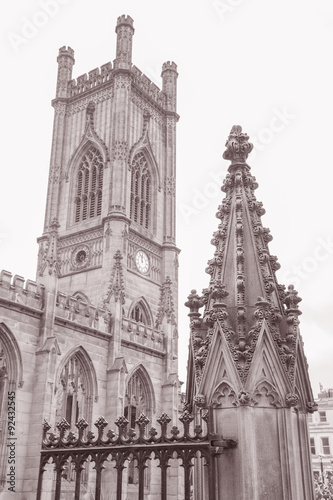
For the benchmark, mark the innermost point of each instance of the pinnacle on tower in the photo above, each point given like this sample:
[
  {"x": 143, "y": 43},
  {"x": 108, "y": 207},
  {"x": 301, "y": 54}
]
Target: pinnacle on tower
[{"x": 125, "y": 32}]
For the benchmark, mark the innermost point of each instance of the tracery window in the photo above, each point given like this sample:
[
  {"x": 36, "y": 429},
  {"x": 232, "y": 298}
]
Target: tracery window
[
  {"x": 72, "y": 392},
  {"x": 137, "y": 401},
  {"x": 89, "y": 185},
  {"x": 140, "y": 211}
]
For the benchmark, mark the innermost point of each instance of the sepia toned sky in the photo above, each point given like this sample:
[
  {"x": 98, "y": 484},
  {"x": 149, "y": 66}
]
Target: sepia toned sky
[{"x": 266, "y": 66}]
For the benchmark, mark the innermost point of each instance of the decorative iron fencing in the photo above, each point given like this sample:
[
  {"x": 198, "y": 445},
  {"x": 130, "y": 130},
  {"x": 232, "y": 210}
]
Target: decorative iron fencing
[{"x": 83, "y": 447}]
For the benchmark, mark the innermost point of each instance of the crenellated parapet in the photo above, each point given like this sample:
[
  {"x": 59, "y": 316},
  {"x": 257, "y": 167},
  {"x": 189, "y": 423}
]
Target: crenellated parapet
[
  {"x": 17, "y": 289},
  {"x": 76, "y": 310},
  {"x": 100, "y": 79}
]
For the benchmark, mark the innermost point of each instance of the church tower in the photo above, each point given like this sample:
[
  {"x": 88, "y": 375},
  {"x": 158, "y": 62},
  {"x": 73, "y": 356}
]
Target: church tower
[
  {"x": 109, "y": 232},
  {"x": 247, "y": 365}
]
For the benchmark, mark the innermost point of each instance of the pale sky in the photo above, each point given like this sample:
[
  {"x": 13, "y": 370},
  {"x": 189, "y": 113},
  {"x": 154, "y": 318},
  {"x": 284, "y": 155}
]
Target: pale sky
[{"x": 265, "y": 65}]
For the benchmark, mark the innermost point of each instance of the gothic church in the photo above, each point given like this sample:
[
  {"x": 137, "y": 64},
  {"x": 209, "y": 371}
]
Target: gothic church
[{"x": 97, "y": 333}]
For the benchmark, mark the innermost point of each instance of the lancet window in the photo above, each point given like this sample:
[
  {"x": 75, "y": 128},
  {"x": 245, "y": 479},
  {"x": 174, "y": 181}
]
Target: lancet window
[
  {"x": 140, "y": 191},
  {"x": 89, "y": 186}
]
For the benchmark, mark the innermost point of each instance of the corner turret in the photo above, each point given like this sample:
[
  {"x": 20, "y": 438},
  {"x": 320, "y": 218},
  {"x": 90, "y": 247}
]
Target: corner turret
[
  {"x": 169, "y": 84},
  {"x": 66, "y": 62},
  {"x": 125, "y": 32}
]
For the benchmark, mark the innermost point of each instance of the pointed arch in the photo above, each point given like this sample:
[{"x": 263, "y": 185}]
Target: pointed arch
[
  {"x": 145, "y": 148},
  {"x": 140, "y": 312},
  {"x": 13, "y": 356},
  {"x": 142, "y": 189},
  {"x": 76, "y": 386},
  {"x": 139, "y": 398},
  {"x": 139, "y": 376},
  {"x": 81, "y": 296},
  {"x": 224, "y": 395},
  {"x": 87, "y": 171},
  {"x": 11, "y": 377}
]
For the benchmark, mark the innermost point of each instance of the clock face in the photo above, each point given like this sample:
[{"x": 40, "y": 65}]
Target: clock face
[{"x": 142, "y": 262}]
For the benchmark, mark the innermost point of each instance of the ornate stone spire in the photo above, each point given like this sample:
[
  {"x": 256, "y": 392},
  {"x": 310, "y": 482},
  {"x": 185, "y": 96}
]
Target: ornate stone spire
[{"x": 243, "y": 292}]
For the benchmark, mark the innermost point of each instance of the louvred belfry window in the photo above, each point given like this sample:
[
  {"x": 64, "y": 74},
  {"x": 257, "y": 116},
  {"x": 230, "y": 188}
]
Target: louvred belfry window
[
  {"x": 140, "y": 191},
  {"x": 88, "y": 201}
]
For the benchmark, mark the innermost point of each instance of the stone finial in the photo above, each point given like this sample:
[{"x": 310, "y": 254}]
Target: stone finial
[
  {"x": 238, "y": 147},
  {"x": 194, "y": 302}
]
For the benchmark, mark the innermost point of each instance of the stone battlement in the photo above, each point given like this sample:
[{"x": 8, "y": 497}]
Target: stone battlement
[
  {"x": 85, "y": 82},
  {"x": 124, "y": 19},
  {"x": 148, "y": 87},
  {"x": 66, "y": 51},
  {"x": 169, "y": 65},
  {"x": 74, "y": 309},
  {"x": 22, "y": 291},
  {"x": 98, "y": 76}
]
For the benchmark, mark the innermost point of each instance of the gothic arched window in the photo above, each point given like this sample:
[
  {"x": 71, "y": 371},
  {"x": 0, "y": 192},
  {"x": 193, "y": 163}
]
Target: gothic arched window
[
  {"x": 89, "y": 185},
  {"x": 10, "y": 379},
  {"x": 138, "y": 400},
  {"x": 72, "y": 396},
  {"x": 139, "y": 314},
  {"x": 140, "y": 191}
]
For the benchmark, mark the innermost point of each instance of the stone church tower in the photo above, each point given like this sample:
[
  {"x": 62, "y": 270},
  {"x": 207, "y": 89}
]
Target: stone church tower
[
  {"x": 97, "y": 334},
  {"x": 247, "y": 365}
]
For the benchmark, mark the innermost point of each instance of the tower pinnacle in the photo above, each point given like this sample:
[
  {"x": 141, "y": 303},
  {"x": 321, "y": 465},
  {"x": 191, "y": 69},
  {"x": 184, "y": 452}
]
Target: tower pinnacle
[{"x": 125, "y": 32}]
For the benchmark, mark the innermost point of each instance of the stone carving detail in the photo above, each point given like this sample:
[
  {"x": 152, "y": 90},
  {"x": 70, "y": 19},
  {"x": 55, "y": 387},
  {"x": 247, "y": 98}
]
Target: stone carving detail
[
  {"x": 171, "y": 121},
  {"x": 120, "y": 150},
  {"x": 82, "y": 103},
  {"x": 292, "y": 399},
  {"x": 80, "y": 257},
  {"x": 55, "y": 174},
  {"x": 170, "y": 186},
  {"x": 69, "y": 246},
  {"x": 144, "y": 104},
  {"x": 244, "y": 397},
  {"x": 116, "y": 287},
  {"x": 224, "y": 396},
  {"x": 166, "y": 305},
  {"x": 122, "y": 82},
  {"x": 200, "y": 400},
  {"x": 265, "y": 394},
  {"x": 59, "y": 108},
  {"x": 238, "y": 147},
  {"x": 80, "y": 238},
  {"x": 48, "y": 255}
]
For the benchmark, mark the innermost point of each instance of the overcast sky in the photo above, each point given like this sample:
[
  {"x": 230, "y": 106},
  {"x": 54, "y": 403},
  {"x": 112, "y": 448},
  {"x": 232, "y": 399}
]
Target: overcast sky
[{"x": 265, "y": 65}]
